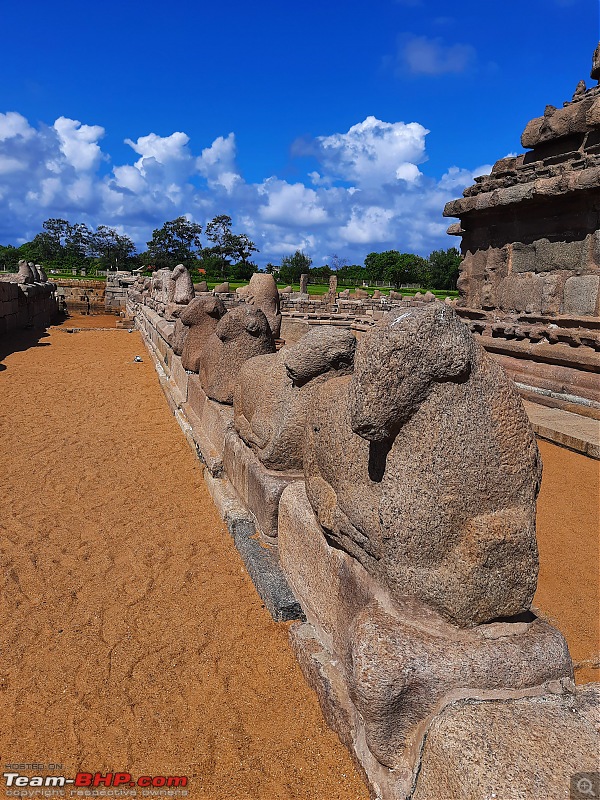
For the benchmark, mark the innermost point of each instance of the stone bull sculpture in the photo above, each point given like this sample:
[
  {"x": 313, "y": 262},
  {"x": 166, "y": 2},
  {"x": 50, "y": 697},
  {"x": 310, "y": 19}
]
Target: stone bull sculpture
[
  {"x": 424, "y": 467},
  {"x": 243, "y": 333},
  {"x": 195, "y": 324},
  {"x": 272, "y": 393}
]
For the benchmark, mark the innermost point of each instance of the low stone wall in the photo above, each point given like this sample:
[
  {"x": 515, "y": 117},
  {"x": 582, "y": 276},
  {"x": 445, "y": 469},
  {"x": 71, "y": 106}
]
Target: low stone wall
[
  {"x": 26, "y": 305},
  {"x": 76, "y": 293},
  {"x": 465, "y": 703}
]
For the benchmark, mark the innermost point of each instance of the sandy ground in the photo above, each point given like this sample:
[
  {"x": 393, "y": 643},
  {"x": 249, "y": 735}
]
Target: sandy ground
[
  {"x": 131, "y": 637},
  {"x": 568, "y": 528}
]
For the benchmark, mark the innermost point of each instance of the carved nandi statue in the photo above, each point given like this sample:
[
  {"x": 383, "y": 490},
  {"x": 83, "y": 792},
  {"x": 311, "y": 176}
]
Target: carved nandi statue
[{"x": 424, "y": 467}]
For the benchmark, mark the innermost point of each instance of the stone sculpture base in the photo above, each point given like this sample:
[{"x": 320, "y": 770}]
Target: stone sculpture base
[
  {"x": 210, "y": 421},
  {"x": 383, "y": 670},
  {"x": 259, "y": 489}
]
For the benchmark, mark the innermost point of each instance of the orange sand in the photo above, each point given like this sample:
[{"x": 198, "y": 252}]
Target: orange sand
[
  {"x": 567, "y": 531},
  {"x": 131, "y": 638}
]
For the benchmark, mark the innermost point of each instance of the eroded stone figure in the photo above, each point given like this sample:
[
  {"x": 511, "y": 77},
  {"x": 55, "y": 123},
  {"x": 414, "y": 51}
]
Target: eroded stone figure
[
  {"x": 262, "y": 293},
  {"x": 193, "y": 328},
  {"x": 272, "y": 393},
  {"x": 183, "y": 290},
  {"x": 424, "y": 467},
  {"x": 242, "y": 333}
]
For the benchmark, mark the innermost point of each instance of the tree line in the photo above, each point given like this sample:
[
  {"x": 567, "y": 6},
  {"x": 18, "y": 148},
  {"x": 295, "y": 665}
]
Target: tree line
[
  {"x": 438, "y": 271},
  {"x": 63, "y": 247},
  {"x": 225, "y": 255}
]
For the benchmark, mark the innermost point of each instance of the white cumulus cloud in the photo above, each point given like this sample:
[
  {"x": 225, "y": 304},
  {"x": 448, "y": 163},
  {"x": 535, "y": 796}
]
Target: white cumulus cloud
[{"x": 373, "y": 153}]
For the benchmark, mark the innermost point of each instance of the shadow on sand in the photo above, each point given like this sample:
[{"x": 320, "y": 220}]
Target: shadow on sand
[{"x": 24, "y": 338}]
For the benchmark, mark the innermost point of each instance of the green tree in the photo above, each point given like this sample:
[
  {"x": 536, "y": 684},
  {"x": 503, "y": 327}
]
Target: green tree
[
  {"x": 402, "y": 268},
  {"x": 444, "y": 266},
  {"x": 9, "y": 258},
  {"x": 218, "y": 231},
  {"x": 111, "y": 249},
  {"x": 293, "y": 266},
  {"x": 177, "y": 242}
]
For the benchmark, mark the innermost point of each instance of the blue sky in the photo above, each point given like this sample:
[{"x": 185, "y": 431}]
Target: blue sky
[{"x": 326, "y": 126}]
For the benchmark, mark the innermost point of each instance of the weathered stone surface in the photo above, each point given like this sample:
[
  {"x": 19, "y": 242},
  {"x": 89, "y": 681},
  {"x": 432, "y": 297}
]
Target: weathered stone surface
[
  {"x": 24, "y": 274},
  {"x": 581, "y": 294},
  {"x": 303, "y": 283},
  {"x": 448, "y": 518},
  {"x": 510, "y": 750},
  {"x": 398, "y": 663},
  {"x": 262, "y": 293},
  {"x": 183, "y": 290},
  {"x": 200, "y": 319},
  {"x": 41, "y": 273},
  {"x": 242, "y": 333},
  {"x": 201, "y": 287},
  {"x": 179, "y": 336},
  {"x": 163, "y": 288},
  {"x": 521, "y": 292},
  {"x": 272, "y": 393},
  {"x": 222, "y": 288},
  {"x": 259, "y": 489}
]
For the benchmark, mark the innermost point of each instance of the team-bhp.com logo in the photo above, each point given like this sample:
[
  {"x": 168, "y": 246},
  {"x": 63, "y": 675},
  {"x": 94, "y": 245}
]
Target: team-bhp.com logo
[{"x": 91, "y": 780}]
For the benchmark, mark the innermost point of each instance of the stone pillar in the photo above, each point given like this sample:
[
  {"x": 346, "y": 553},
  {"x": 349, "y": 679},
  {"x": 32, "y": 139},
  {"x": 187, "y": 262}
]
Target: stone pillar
[
  {"x": 304, "y": 283},
  {"x": 332, "y": 288}
]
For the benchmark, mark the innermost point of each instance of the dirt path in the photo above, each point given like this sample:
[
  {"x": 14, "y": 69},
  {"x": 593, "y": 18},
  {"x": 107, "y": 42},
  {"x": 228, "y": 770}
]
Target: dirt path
[{"x": 131, "y": 637}]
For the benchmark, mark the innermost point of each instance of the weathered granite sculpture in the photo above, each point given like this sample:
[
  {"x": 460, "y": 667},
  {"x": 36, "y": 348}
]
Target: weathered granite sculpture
[
  {"x": 34, "y": 272},
  {"x": 242, "y": 333},
  {"x": 262, "y": 293},
  {"x": 41, "y": 273},
  {"x": 273, "y": 391},
  {"x": 304, "y": 283},
  {"x": 412, "y": 549},
  {"x": 24, "y": 274},
  {"x": 163, "y": 289},
  {"x": 183, "y": 291},
  {"x": 426, "y": 526},
  {"x": 193, "y": 329}
]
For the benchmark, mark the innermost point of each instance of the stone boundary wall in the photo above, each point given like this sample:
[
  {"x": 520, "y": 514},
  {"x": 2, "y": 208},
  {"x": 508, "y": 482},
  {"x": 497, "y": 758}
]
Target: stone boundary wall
[
  {"x": 74, "y": 293},
  {"x": 500, "y": 692},
  {"x": 26, "y": 305}
]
